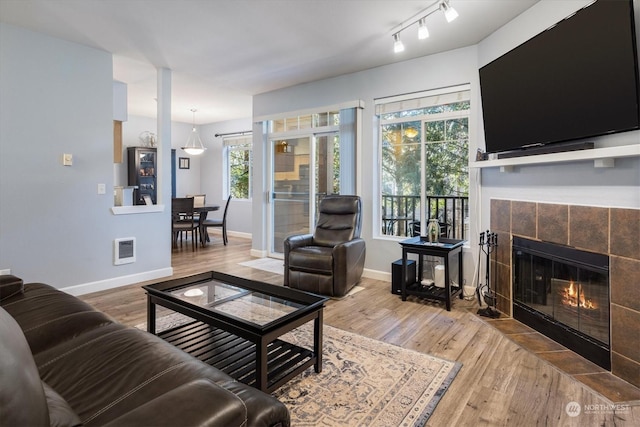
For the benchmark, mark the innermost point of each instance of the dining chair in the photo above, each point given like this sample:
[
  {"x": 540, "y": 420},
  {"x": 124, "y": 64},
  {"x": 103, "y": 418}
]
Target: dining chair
[
  {"x": 199, "y": 201},
  {"x": 182, "y": 220},
  {"x": 216, "y": 222}
]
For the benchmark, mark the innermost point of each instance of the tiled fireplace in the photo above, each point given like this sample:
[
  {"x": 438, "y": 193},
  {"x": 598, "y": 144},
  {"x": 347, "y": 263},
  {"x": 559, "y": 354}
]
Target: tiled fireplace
[{"x": 609, "y": 232}]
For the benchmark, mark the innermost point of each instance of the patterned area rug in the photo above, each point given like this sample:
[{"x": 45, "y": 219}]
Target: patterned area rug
[{"x": 363, "y": 382}]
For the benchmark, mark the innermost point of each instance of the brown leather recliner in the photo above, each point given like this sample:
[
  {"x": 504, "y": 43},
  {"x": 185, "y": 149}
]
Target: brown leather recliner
[{"x": 331, "y": 260}]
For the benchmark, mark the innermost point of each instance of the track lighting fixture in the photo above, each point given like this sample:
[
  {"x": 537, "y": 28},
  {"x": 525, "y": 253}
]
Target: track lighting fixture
[{"x": 421, "y": 19}]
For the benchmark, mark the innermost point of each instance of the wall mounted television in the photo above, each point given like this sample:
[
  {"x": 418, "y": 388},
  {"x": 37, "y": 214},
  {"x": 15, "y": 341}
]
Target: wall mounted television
[{"x": 575, "y": 80}]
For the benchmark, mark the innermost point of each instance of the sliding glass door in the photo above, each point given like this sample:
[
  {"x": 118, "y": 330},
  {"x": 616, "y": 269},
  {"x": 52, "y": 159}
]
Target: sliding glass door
[
  {"x": 290, "y": 189},
  {"x": 304, "y": 170}
]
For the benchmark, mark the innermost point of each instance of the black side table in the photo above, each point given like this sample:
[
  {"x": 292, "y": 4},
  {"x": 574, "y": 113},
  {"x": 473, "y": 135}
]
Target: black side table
[{"x": 447, "y": 249}]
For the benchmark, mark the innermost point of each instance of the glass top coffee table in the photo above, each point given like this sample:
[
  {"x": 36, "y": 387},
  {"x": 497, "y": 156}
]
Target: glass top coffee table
[{"x": 235, "y": 325}]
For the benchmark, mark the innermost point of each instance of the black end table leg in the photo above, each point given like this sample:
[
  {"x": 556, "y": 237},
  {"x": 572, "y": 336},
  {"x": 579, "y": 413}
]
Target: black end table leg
[
  {"x": 317, "y": 340},
  {"x": 151, "y": 315},
  {"x": 403, "y": 283}
]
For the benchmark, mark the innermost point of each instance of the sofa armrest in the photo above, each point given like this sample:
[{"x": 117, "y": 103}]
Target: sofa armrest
[
  {"x": 200, "y": 403},
  {"x": 10, "y": 285}
]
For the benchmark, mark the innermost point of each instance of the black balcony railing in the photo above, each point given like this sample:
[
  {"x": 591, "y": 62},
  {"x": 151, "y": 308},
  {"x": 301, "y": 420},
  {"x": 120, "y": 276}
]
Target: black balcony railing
[{"x": 401, "y": 215}]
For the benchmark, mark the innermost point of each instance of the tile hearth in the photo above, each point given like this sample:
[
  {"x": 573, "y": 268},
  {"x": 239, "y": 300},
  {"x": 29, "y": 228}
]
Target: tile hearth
[{"x": 591, "y": 375}]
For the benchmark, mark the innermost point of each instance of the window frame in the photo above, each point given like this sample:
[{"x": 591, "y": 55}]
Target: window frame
[
  {"x": 392, "y": 109},
  {"x": 235, "y": 144}
]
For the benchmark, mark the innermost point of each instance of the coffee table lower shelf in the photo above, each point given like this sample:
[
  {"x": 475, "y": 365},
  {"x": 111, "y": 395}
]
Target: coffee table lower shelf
[{"x": 236, "y": 356}]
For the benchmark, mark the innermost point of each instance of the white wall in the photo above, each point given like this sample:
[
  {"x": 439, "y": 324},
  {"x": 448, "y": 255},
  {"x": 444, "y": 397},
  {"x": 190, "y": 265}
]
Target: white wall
[{"x": 57, "y": 97}]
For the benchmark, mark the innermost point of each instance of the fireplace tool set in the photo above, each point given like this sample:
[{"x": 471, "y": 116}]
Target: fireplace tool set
[{"x": 488, "y": 244}]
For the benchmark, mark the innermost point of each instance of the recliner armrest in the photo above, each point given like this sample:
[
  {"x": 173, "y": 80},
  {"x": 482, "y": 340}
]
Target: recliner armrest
[
  {"x": 10, "y": 285},
  {"x": 298, "y": 241},
  {"x": 291, "y": 243},
  {"x": 200, "y": 403},
  {"x": 349, "y": 252},
  {"x": 348, "y": 265}
]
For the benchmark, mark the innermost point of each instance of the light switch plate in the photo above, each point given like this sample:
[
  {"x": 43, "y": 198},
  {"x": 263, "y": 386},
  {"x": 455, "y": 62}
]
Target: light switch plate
[
  {"x": 102, "y": 189},
  {"x": 67, "y": 159}
]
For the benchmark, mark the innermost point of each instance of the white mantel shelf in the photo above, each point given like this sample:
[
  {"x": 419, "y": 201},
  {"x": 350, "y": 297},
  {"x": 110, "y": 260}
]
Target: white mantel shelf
[{"x": 602, "y": 157}]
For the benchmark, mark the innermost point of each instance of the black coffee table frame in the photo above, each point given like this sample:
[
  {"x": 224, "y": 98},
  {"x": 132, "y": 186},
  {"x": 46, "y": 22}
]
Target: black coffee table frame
[{"x": 247, "y": 351}]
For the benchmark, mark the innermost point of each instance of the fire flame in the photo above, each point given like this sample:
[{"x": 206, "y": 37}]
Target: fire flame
[{"x": 574, "y": 297}]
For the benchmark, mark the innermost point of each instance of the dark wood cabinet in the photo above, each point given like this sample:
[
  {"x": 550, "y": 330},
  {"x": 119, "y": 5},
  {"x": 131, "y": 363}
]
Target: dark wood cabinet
[{"x": 142, "y": 167}]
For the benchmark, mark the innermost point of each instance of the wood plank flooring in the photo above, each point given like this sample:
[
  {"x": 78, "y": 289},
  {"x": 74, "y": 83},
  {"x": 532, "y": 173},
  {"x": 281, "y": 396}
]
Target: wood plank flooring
[{"x": 500, "y": 383}]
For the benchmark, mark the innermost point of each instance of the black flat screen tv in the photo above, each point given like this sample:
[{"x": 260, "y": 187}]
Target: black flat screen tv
[{"x": 575, "y": 80}]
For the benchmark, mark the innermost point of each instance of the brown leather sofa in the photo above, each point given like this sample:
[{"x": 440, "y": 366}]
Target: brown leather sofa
[
  {"x": 63, "y": 363},
  {"x": 331, "y": 260}
]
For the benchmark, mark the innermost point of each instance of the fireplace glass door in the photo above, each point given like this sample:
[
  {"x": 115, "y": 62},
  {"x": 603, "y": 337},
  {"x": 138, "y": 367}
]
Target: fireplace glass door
[{"x": 564, "y": 285}]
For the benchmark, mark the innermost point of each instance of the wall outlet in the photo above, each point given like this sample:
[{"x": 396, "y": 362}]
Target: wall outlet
[{"x": 102, "y": 188}]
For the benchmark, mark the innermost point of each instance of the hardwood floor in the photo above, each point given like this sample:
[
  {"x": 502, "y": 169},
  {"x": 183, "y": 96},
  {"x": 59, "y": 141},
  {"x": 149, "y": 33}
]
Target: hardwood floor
[{"x": 500, "y": 383}]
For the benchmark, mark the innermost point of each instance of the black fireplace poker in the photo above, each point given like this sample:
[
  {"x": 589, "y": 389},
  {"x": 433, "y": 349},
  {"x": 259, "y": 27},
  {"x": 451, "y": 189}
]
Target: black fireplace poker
[{"x": 488, "y": 244}]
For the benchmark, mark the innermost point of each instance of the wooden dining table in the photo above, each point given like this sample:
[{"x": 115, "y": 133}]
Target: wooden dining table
[{"x": 202, "y": 212}]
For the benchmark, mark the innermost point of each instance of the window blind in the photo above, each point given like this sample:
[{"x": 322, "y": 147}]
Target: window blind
[
  {"x": 232, "y": 141},
  {"x": 420, "y": 100}
]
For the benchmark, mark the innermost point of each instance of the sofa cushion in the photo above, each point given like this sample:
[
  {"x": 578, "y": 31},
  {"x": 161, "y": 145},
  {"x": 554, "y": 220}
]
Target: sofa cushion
[
  {"x": 312, "y": 259},
  {"x": 60, "y": 413},
  {"x": 49, "y": 316},
  {"x": 191, "y": 398},
  {"x": 10, "y": 286},
  {"x": 24, "y": 403}
]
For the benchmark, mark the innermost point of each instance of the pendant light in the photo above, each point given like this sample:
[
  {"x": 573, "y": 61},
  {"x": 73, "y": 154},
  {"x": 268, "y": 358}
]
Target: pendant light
[{"x": 194, "y": 143}]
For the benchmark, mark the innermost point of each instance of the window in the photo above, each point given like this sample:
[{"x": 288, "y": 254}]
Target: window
[
  {"x": 424, "y": 151},
  {"x": 239, "y": 166}
]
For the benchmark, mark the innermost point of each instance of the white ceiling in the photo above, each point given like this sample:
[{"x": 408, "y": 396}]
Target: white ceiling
[{"x": 222, "y": 52}]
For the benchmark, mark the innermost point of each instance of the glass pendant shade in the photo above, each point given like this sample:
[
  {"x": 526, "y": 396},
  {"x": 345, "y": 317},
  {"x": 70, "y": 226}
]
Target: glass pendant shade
[{"x": 194, "y": 144}]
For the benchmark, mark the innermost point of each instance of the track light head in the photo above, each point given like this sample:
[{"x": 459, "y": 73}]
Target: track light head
[
  {"x": 397, "y": 43},
  {"x": 449, "y": 13},
  {"x": 423, "y": 31}
]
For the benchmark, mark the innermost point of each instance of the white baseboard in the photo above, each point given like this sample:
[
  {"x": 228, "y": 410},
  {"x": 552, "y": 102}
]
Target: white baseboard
[
  {"x": 116, "y": 282},
  {"x": 258, "y": 253},
  {"x": 240, "y": 234},
  {"x": 376, "y": 275}
]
